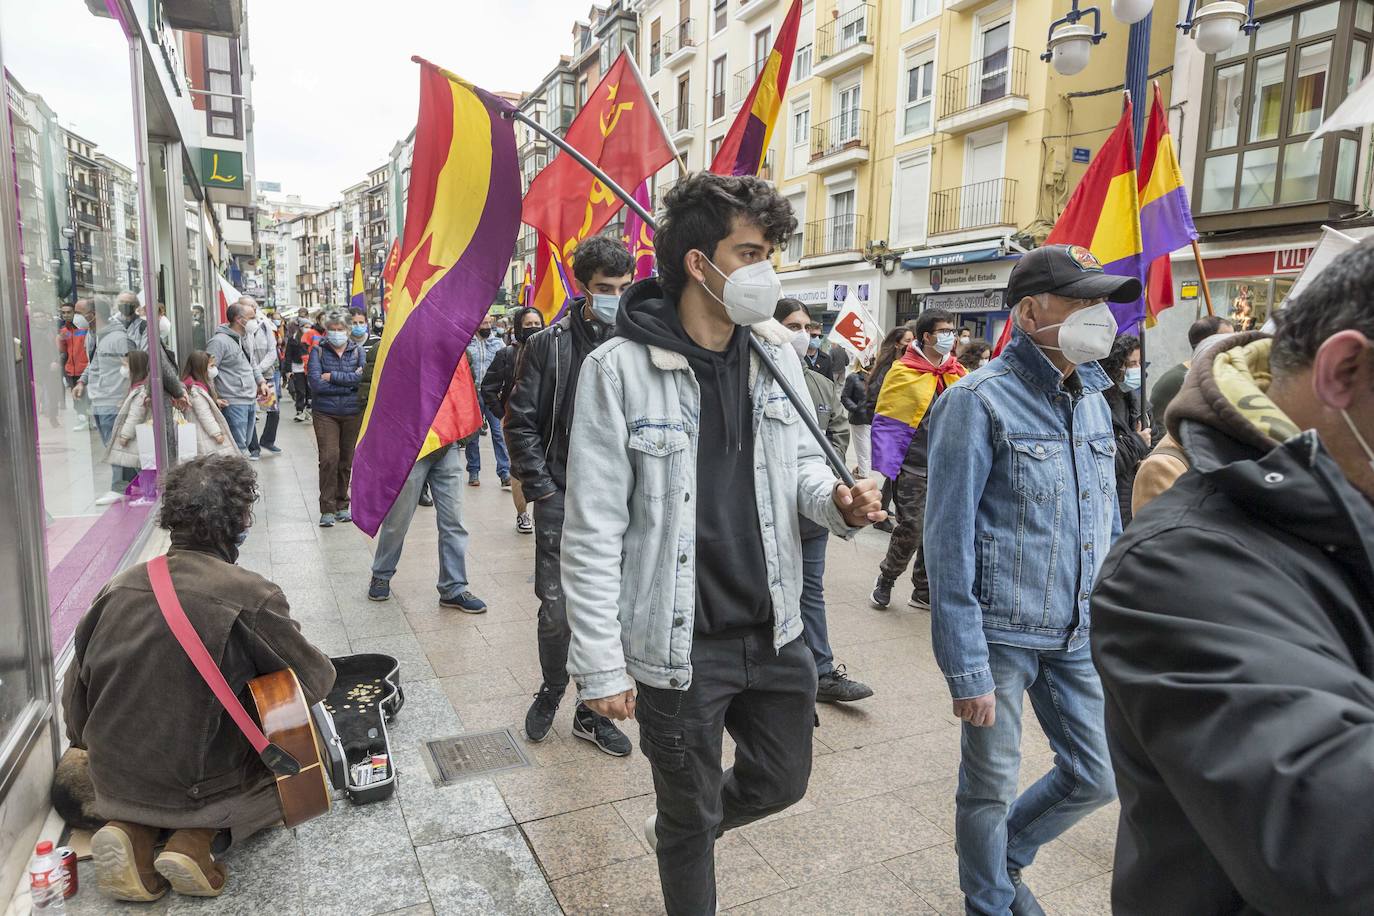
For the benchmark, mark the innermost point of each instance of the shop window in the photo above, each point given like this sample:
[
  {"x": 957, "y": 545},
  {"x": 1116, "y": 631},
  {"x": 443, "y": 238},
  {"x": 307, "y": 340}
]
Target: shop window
[
  {"x": 87, "y": 318},
  {"x": 1265, "y": 97}
]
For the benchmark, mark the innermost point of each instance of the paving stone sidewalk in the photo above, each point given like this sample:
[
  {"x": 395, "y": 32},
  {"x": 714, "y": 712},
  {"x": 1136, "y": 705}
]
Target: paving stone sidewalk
[{"x": 874, "y": 834}]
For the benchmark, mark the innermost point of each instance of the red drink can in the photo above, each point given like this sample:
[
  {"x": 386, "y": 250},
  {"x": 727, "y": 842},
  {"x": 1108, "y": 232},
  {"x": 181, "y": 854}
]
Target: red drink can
[{"x": 68, "y": 857}]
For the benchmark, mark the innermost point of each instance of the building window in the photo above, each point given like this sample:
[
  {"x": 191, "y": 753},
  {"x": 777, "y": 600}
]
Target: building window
[
  {"x": 655, "y": 46},
  {"x": 715, "y": 147},
  {"x": 718, "y": 15},
  {"x": 792, "y": 251},
  {"x": 718, "y": 88},
  {"x": 1267, "y": 94},
  {"x": 801, "y": 139},
  {"x": 801, "y": 65},
  {"x": 911, "y": 200},
  {"x": 918, "y": 88},
  {"x": 233, "y": 212},
  {"x": 222, "y": 109},
  {"x": 915, "y": 11}
]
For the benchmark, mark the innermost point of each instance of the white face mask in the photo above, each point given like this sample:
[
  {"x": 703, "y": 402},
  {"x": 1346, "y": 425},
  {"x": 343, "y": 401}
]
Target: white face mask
[
  {"x": 944, "y": 342},
  {"x": 213, "y": 371},
  {"x": 604, "y": 307},
  {"x": 1364, "y": 445},
  {"x": 164, "y": 326},
  {"x": 81, "y": 322},
  {"x": 801, "y": 341},
  {"x": 123, "y": 371},
  {"x": 1085, "y": 336},
  {"x": 751, "y": 292}
]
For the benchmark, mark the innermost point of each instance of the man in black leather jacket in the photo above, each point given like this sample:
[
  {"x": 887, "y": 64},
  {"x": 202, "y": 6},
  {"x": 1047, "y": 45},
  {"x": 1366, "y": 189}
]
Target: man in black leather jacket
[
  {"x": 538, "y": 425},
  {"x": 1233, "y": 627}
]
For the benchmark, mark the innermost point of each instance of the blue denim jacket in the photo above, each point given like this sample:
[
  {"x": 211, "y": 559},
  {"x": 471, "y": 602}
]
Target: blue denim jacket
[{"x": 1021, "y": 511}]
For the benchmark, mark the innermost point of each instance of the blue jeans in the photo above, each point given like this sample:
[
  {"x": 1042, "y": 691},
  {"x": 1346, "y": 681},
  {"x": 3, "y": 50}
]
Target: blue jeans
[
  {"x": 498, "y": 444},
  {"x": 241, "y": 419},
  {"x": 994, "y": 829},
  {"x": 814, "y": 629},
  {"x": 444, "y": 474}
]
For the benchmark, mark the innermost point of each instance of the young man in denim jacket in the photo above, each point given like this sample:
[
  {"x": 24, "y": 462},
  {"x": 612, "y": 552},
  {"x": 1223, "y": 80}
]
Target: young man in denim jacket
[
  {"x": 1021, "y": 513},
  {"x": 682, "y": 562}
]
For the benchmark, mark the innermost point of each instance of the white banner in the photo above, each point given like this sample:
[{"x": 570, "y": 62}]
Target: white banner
[{"x": 855, "y": 330}]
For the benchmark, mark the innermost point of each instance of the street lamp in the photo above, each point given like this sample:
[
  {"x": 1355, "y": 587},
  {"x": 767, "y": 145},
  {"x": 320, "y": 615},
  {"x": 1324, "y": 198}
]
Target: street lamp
[
  {"x": 1216, "y": 26},
  {"x": 1070, "y": 42}
]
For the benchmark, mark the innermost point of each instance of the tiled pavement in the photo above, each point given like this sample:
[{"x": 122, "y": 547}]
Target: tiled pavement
[{"x": 874, "y": 834}]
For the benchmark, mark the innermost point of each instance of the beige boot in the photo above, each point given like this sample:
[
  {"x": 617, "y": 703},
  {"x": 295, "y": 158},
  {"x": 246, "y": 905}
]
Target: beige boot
[
  {"x": 123, "y": 856},
  {"x": 187, "y": 863}
]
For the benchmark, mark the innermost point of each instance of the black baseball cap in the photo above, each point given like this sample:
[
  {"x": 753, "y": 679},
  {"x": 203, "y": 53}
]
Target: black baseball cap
[{"x": 1070, "y": 271}]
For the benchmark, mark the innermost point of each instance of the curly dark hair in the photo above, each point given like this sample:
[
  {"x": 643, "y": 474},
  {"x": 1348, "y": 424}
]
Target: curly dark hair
[
  {"x": 701, "y": 210},
  {"x": 1338, "y": 299},
  {"x": 209, "y": 500},
  {"x": 973, "y": 354},
  {"x": 1114, "y": 363},
  {"x": 601, "y": 254}
]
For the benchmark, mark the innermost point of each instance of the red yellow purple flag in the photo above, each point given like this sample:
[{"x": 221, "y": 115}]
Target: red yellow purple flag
[
  {"x": 1103, "y": 216},
  {"x": 356, "y": 298},
  {"x": 745, "y": 146},
  {"x": 462, "y": 217},
  {"x": 620, "y": 132},
  {"x": 1166, "y": 220},
  {"x": 639, "y": 235},
  {"x": 393, "y": 264}
]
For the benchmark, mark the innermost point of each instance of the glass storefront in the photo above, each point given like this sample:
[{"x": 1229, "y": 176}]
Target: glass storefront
[{"x": 1247, "y": 302}]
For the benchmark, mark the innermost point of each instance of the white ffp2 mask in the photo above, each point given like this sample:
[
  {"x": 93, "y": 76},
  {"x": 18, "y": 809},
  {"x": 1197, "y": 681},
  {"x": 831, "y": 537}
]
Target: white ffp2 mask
[
  {"x": 1086, "y": 335},
  {"x": 751, "y": 292}
]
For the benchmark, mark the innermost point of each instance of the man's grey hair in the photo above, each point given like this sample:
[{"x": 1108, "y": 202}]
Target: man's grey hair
[
  {"x": 335, "y": 319},
  {"x": 248, "y": 300}
]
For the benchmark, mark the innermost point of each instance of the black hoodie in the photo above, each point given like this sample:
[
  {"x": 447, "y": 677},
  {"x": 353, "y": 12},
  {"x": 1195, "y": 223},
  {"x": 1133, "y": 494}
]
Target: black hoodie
[{"x": 731, "y": 572}]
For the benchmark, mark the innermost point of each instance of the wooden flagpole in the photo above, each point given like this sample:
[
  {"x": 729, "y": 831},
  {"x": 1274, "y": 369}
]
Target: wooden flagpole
[{"x": 1202, "y": 279}]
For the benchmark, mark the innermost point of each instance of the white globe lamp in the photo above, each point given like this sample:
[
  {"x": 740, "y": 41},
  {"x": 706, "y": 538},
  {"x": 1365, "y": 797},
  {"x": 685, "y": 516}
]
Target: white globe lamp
[
  {"x": 1217, "y": 24},
  {"x": 1131, "y": 11},
  {"x": 1070, "y": 47}
]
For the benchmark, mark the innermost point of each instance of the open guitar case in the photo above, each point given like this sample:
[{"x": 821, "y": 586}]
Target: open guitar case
[{"x": 352, "y": 723}]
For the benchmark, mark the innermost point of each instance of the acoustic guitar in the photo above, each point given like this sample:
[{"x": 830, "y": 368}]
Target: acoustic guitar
[
  {"x": 289, "y": 728},
  {"x": 283, "y": 734}
]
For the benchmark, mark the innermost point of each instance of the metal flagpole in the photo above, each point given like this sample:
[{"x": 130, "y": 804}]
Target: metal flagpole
[{"x": 806, "y": 411}]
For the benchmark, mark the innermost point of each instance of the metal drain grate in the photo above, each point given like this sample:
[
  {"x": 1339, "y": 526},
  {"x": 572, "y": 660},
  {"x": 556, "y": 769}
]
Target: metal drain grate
[{"x": 461, "y": 757}]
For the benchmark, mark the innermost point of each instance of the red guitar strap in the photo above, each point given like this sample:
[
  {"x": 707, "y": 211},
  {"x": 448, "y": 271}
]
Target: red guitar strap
[{"x": 276, "y": 760}]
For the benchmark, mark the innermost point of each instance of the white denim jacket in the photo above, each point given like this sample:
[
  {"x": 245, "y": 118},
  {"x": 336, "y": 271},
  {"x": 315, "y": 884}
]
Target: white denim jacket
[{"x": 629, "y": 537}]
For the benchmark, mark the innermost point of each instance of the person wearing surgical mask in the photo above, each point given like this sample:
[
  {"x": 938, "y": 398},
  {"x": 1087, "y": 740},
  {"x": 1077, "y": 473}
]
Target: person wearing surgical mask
[
  {"x": 335, "y": 373},
  {"x": 1020, "y": 515},
  {"x": 681, "y": 558},
  {"x": 544, "y": 398},
  {"x": 1132, "y": 430},
  {"x": 1231, "y": 625}
]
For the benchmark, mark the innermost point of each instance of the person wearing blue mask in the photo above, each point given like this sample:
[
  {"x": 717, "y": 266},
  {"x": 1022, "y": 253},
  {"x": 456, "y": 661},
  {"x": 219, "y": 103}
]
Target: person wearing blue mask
[
  {"x": 482, "y": 350},
  {"x": 1131, "y": 429},
  {"x": 538, "y": 425},
  {"x": 336, "y": 369}
]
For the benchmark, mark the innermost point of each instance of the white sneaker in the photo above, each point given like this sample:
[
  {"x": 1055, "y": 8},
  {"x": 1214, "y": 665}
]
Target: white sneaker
[
  {"x": 651, "y": 831},
  {"x": 109, "y": 498},
  {"x": 523, "y": 523},
  {"x": 81, "y": 425}
]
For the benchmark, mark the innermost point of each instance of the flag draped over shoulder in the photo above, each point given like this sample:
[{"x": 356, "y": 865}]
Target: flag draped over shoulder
[
  {"x": 742, "y": 151},
  {"x": 908, "y": 391},
  {"x": 462, "y": 217},
  {"x": 1104, "y": 216},
  {"x": 620, "y": 132},
  {"x": 639, "y": 235},
  {"x": 355, "y": 293},
  {"x": 1166, "y": 221}
]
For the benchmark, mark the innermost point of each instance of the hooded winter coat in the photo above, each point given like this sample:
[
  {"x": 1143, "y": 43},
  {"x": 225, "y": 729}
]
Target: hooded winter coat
[{"x": 1234, "y": 633}]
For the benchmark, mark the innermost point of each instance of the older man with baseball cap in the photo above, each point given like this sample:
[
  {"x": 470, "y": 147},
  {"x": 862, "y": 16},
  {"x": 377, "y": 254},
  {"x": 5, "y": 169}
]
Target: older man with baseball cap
[{"x": 1021, "y": 513}]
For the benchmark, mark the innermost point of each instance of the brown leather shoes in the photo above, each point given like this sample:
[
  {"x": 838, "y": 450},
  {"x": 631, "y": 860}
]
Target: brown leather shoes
[
  {"x": 123, "y": 856},
  {"x": 187, "y": 863}
]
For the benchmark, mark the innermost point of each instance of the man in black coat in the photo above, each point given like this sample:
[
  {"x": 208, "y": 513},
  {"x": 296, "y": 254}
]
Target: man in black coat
[
  {"x": 1234, "y": 628},
  {"x": 538, "y": 424}
]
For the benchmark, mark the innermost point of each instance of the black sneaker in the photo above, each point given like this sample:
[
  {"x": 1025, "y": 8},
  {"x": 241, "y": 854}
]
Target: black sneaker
[
  {"x": 885, "y": 525},
  {"x": 426, "y": 499},
  {"x": 465, "y": 601},
  {"x": 1024, "y": 903},
  {"x": 920, "y": 601},
  {"x": 882, "y": 594},
  {"x": 599, "y": 731},
  {"x": 539, "y": 719},
  {"x": 379, "y": 590},
  {"x": 836, "y": 687}
]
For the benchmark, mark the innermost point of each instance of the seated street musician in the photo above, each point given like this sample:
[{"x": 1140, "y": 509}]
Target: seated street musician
[{"x": 164, "y": 753}]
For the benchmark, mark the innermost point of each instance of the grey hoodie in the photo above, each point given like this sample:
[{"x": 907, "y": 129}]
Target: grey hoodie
[
  {"x": 105, "y": 385},
  {"x": 238, "y": 378}
]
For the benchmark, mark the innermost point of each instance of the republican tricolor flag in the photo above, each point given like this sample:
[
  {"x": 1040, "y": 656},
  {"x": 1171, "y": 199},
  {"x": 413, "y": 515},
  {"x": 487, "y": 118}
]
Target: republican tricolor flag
[
  {"x": 356, "y": 298},
  {"x": 744, "y": 147},
  {"x": 1103, "y": 216},
  {"x": 462, "y": 217},
  {"x": 1166, "y": 221}
]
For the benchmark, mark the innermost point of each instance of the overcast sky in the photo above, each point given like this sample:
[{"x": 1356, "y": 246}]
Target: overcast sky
[{"x": 334, "y": 86}]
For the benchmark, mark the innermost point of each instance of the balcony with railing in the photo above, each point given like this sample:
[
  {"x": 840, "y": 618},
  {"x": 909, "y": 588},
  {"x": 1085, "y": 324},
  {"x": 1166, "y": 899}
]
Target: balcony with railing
[
  {"x": 982, "y": 205},
  {"x": 841, "y": 234},
  {"x": 661, "y": 192},
  {"x": 681, "y": 126},
  {"x": 985, "y": 92},
  {"x": 845, "y": 41},
  {"x": 679, "y": 43},
  {"x": 766, "y": 171},
  {"x": 88, "y": 219},
  {"x": 841, "y": 141},
  {"x": 534, "y": 144},
  {"x": 748, "y": 10},
  {"x": 85, "y": 188},
  {"x": 744, "y": 81},
  {"x": 561, "y": 118}
]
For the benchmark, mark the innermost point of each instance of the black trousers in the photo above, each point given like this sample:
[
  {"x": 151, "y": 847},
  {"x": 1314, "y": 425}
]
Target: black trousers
[
  {"x": 767, "y": 701},
  {"x": 553, "y": 629}
]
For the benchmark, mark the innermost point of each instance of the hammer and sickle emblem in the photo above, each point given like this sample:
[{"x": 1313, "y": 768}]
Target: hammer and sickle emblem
[{"x": 617, "y": 109}]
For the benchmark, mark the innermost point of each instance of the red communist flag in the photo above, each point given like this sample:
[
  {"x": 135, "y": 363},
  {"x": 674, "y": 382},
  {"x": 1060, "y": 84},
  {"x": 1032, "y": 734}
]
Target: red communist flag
[{"x": 619, "y": 130}]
